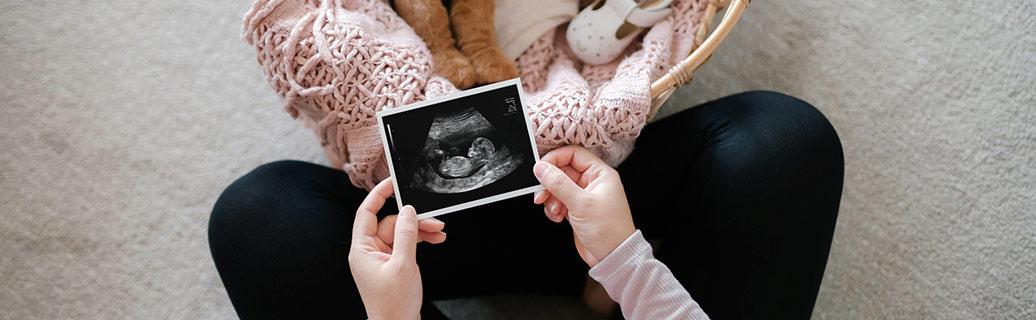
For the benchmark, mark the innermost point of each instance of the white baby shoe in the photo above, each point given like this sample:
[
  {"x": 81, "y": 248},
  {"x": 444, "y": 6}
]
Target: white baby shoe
[{"x": 602, "y": 31}]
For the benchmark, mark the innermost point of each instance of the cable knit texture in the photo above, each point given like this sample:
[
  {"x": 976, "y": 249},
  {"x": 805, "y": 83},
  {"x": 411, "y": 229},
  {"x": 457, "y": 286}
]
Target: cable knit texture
[{"x": 335, "y": 63}]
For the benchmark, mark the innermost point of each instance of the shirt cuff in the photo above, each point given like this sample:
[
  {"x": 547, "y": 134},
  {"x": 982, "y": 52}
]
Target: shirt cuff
[{"x": 617, "y": 263}]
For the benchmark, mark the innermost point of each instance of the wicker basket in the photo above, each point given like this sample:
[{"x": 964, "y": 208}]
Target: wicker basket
[
  {"x": 305, "y": 68},
  {"x": 704, "y": 45}
]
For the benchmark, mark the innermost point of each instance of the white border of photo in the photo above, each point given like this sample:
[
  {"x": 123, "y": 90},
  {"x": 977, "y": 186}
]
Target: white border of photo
[{"x": 474, "y": 203}]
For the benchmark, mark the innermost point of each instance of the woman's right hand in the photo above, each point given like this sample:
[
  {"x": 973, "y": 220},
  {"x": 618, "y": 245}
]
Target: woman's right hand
[{"x": 581, "y": 187}]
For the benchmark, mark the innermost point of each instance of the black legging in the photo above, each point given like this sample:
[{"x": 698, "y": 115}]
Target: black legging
[{"x": 741, "y": 195}]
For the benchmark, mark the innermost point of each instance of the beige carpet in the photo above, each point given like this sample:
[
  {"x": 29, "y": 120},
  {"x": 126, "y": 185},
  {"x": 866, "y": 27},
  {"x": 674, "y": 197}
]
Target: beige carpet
[{"x": 120, "y": 121}]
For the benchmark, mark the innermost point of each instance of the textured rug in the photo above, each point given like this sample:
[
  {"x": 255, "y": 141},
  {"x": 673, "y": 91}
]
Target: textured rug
[{"x": 122, "y": 120}]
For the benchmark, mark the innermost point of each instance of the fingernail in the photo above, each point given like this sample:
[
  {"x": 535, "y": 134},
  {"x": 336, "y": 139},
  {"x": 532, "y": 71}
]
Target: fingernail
[
  {"x": 553, "y": 207},
  {"x": 540, "y": 168},
  {"x": 408, "y": 209},
  {"x": 438, "y": 222},
  {"x": 554, "y": 217},
  {"x": 537, "y": 198}
]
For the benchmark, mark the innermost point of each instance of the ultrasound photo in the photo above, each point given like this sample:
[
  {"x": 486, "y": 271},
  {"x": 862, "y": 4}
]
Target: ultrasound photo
[{"x": 461, "y": 150}]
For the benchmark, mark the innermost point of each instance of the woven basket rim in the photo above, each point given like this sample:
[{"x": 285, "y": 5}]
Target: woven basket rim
[{"x": 705, "y": 45}]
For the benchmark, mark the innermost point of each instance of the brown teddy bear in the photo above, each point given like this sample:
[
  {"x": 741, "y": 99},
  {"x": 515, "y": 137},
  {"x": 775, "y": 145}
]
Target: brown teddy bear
[{"x": 482, "y": 61}]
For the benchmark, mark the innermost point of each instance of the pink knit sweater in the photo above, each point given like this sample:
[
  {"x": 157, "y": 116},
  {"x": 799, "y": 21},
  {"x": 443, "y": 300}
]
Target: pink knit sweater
[{"x": 336, "y": 63}]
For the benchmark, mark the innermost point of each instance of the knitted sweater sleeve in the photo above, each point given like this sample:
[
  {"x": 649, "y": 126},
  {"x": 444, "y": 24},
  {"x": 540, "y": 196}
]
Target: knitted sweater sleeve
[{"x": 642, "y": 285}]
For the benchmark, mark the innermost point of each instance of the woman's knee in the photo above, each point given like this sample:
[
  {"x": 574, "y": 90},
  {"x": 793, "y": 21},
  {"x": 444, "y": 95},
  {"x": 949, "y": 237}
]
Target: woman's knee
[
  {"x": 762, "y": 135},
  {"x": 788, "y": 124},
  {"x": 258, "y": 192}
]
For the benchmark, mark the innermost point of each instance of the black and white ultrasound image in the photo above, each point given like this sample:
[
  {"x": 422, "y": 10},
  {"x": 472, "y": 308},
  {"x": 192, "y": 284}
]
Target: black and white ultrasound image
[{"x": 461, "y": 150}]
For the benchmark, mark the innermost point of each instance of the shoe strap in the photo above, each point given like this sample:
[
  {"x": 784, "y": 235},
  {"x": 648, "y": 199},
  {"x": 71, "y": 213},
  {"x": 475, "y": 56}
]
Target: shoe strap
[
  {"x": 622, "y": 8},
  {"x": 644, "y": 18}
]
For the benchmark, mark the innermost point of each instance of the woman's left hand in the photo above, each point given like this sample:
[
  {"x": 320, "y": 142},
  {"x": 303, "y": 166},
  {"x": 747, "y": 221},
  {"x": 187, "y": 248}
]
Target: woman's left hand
[{"x": 382, "y": 257}]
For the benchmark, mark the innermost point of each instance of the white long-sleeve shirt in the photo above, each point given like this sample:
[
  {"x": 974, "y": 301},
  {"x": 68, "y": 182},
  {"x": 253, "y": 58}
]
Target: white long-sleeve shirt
[{"x": 643, "y": 286}]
